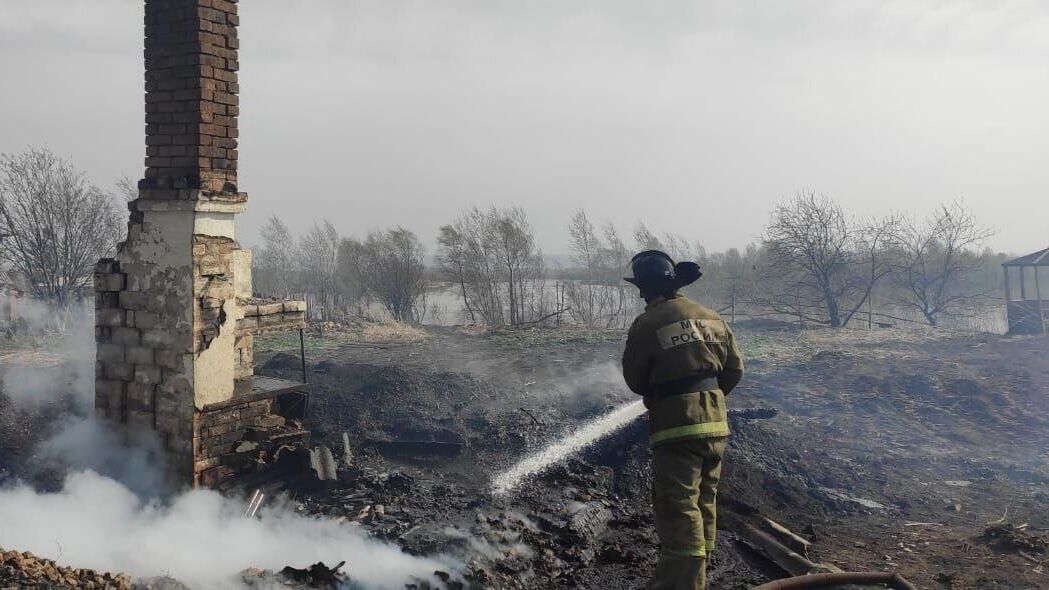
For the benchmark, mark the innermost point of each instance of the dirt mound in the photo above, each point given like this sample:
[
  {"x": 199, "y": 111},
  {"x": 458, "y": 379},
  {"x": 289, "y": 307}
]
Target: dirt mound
[
  {"x": 391, "y": 403},
  {"x": 25, "y": 570}
]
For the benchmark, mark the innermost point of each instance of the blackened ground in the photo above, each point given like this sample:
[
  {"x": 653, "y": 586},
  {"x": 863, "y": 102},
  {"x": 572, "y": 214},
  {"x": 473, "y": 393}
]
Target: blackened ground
[
  {"x": 891, "y": 451},
  {"x": 33, "y": 419}
]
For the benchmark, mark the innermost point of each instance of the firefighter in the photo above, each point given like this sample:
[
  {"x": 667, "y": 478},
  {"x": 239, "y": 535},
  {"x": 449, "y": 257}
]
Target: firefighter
[{"x": 682, "y": 357}]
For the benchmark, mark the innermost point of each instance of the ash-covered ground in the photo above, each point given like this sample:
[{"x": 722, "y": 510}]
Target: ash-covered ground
[
  {"x": 891, "y": 451},
  {"x": 924, "y": 454}
]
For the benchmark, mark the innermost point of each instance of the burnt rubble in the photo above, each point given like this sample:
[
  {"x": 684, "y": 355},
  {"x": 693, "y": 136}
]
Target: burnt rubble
[{"x": 25, "y": 570}]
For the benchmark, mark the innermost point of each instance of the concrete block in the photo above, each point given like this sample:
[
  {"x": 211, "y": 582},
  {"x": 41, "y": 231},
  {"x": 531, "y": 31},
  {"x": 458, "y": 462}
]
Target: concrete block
[
  {"x": 125, "y": 335},
  {"x": 147, "y": 374},
  {"x": 140, "y": 419},
  {"x": 294, "y": 306},
  {"x": 168, "y": 359},
  {"x": 165, "y": 406},
  {"x": 109, "y": 352},
  {"x": 119, "y": 371},
  {"x": 109, "y": 317},
  {"x": 107, "y": 265},
  {"x": 146, "y": 320},
  {"x": 157, "y": 338},
  {"x": 105, "y": 389},
  {"x": 140, "y": 355},
  {"x": 110, "y": 282},
  {"x": 167, "y": 423},
  {"x": 134, "y": 300},
  {"x": 106, "y": 299}
]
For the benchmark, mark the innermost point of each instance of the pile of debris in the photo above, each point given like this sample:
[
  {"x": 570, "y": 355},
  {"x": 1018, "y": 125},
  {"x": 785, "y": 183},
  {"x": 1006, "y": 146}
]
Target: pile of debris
[
  {"x": 25, "y": 570},
  {"x": 1015, "y": 538}
]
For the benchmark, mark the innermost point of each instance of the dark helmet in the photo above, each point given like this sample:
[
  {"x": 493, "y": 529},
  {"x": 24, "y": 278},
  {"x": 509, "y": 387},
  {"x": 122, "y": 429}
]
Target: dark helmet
[{"x": 655, "y": 273}]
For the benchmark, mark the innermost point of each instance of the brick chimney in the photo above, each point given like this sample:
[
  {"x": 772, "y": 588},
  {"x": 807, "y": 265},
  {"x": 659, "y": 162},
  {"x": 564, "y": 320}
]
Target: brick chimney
[{"x": 170, "y": 307}]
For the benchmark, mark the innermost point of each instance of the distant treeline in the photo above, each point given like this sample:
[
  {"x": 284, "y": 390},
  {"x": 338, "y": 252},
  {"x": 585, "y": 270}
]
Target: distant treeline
[{"x": 814, "y": 264}]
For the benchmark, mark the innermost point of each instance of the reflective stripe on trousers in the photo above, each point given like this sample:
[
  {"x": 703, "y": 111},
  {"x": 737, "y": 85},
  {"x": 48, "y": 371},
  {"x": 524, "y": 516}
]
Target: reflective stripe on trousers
[
  {"x": 702, "y": 430},
  {"x": 698, "y": 551}
]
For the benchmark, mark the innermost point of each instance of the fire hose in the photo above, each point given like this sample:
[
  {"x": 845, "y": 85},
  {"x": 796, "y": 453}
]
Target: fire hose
[{"x": 837, "y": 579}]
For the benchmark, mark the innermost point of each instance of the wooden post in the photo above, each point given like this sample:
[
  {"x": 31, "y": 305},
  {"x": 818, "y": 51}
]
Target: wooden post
[
  {"x": 1023, "y": 283},
  {"x": 870, "y": 311},
  {"x": 1039, "y": 303},
  {"x": 797, "y": 305},
  {"x": 1008, "y": 301}
]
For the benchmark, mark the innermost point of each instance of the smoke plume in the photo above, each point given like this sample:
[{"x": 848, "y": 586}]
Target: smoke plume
[
  {"x": 200, "y": 538},
  {"x": 114, "y": 513}
]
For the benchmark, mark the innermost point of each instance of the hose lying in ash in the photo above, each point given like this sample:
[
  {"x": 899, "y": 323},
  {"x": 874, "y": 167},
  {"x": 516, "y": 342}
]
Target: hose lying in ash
[{"x": 837, "y": 579}]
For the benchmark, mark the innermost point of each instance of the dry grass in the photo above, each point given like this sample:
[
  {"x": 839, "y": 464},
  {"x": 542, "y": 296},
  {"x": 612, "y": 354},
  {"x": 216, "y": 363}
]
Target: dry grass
[
  {"x": 382, "y": 330},
  {"x": 798, "y": 346},
  {"x": 326, "y": 336}
]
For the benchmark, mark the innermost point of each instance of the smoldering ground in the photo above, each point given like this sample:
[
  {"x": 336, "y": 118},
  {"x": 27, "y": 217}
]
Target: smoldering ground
[
  {"x": 111, "y": 510},
  {"x": 197, "y": 537}
]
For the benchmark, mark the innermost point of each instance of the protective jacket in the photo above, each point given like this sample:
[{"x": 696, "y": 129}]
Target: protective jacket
[{"x": 682, "y": 357}]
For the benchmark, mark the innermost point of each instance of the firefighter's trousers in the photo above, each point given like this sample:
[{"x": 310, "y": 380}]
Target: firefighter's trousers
[{"x": 685, "y": 476}]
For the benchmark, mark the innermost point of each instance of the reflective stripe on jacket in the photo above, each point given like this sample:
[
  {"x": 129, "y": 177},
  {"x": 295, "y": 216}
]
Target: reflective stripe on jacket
[{"x": 675, "y": 339}]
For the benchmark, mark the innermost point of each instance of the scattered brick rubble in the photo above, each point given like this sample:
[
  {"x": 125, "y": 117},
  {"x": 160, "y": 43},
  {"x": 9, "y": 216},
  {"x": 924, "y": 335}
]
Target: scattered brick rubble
[{"x": 20, "y": 570}]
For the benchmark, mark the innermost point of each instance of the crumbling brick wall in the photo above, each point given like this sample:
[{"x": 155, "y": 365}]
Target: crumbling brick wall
[{"x": 143, "y": 375}]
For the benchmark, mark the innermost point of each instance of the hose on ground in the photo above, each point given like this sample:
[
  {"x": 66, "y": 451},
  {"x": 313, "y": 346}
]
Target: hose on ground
[{"x": 891, "y": 580}]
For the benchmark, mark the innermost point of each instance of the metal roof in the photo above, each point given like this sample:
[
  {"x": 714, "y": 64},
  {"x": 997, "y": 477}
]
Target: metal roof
[{"x": 1037, "y": 259}]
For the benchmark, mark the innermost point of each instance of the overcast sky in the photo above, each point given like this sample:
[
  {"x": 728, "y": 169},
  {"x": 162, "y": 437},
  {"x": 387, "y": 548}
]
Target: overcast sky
[{"x": 696, "y": 117}]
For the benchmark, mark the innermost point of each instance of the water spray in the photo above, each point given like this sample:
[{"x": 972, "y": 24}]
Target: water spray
[{"x": 577, "y": 441}]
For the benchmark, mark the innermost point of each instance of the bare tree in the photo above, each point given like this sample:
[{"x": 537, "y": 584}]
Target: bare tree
[
  {"x": 393, "y": 271},
  {"x": 127, "y": 188},
  {"x": 276, "y": 259},
  {"x": 809, "y": 239},
  {"x": 318, "y": 260},
  {"x": 472, "y": 246},
  {"x": 54, "y": 225},
  {"x": 586, "y": 255},
  {"x": 349, "y": 274},
  {"x": 935, "y": 260},
  {"x": 520, "y": 259},
  {"x": 452, "y": 262},
  {"x": 645, "y": 239},
  {"x": 492, "y": 255},
  {"x": 872, "y": 244},
  {"x": 615, "y": 257}
]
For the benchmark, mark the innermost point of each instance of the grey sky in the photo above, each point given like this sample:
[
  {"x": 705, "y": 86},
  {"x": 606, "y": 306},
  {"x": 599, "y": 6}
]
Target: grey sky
[{"x": 693, "y": 116}]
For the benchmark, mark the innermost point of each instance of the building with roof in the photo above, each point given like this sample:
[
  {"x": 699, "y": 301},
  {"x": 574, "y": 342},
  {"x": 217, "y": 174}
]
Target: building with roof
[{"x": 1027, "y": 305}]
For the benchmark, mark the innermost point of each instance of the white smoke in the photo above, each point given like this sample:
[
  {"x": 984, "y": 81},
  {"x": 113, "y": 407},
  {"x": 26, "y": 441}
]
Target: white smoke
[
  {"x": 107, "y": 516},
  {"x": 59, "y": 361},
  {"x": 134, "y": 458},
  {"x": 200, "y": 538}
]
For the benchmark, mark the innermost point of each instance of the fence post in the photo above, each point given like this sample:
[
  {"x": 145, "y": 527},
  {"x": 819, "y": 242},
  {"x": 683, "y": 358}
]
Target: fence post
[{"x": 797, "y": 305}]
